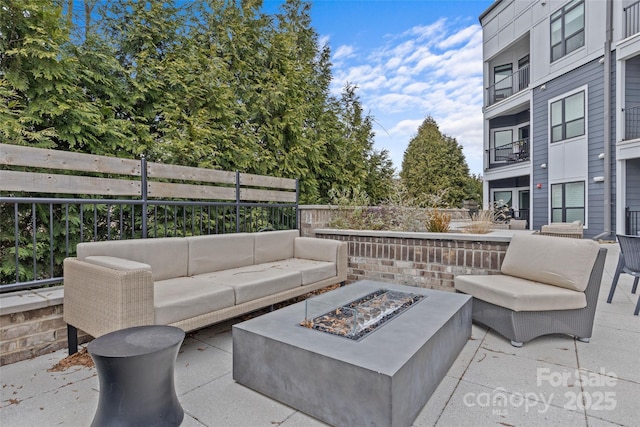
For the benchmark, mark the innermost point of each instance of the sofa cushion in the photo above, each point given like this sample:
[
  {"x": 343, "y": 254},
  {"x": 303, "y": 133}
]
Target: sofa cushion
[
  {"x": 167, "y": 256},
  {"x": 311, "y": 271},
  {"x": 219, "y": 252},
  {"x": 185, "y": 297},
  {"x": 274, "y": 245},
  {"x": 520, "y": 294},
  {"x": 257, "y": 281},
  {"x": 117, "y": 263},
  {"x": 316, "y": 249},
  {"x": 551, "y": 260}
]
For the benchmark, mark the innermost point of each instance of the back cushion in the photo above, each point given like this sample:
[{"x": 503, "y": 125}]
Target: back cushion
[
  {"x": 274, "y": 245},
  {"x": 558, "y": 261},
  {"x": 317, "y": 249},
  {"x": 167, "y": 256},
  {"x": 219, "y": 252}
]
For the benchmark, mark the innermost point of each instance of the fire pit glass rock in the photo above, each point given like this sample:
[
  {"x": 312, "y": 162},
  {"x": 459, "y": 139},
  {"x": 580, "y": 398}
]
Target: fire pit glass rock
[{"x": 358, "y": 318}]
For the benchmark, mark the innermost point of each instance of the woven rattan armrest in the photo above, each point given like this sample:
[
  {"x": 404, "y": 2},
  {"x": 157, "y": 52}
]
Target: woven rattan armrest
[{"x": 99, "y": 300}]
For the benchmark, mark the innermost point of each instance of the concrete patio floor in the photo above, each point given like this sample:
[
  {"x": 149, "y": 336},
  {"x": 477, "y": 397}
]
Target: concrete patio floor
[{"x": 490, "y": 384}]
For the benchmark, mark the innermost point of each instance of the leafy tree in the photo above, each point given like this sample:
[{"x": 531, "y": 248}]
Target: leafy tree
[
  {"x": 209, "y": 83},
  {"x": 434, "y": 165},
  {"x": 43, "y": 103}
]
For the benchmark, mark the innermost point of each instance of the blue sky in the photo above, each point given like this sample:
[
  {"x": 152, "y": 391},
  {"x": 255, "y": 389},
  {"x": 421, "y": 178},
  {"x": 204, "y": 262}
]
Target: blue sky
[{"x": 410, "y": 59}]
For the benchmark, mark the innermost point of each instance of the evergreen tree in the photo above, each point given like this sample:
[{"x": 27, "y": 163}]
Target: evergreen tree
[
  {"x": 208, "y": 83},
  {"x": 434, "y": 165}
]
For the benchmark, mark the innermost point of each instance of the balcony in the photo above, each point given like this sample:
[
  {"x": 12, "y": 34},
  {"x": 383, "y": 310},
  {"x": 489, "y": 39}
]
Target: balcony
[
  {"x": 632, "y": 19},
  {"x": 515, "y": 152},
  {"x": 508, "y": 85},
  {"x": 631, "y": 122}
]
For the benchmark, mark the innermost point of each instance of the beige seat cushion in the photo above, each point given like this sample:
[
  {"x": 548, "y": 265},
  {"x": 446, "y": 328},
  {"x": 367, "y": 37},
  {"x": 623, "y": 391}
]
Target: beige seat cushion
[
  {"x": 552, "y": 260},
  {"x": 186, "y": 297},
  {"x": 520, "y": 294},
  {"x": 219, "y": 252},
  {"x": 311, "y": 271},
  {"x": 274, "y": 245},
  {"x": 167, "y": 256},
  {"x": 255, "y": 281}
]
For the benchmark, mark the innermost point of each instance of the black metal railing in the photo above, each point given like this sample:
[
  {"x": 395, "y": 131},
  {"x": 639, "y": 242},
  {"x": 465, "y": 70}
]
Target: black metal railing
[
  {"x": 632, "y": 19},
  {"x": 509, "y": 85},
  {"x": 517, "y": 151},
  {"x": 632, "y": 222},
  {"x": 631, "y": 122}
]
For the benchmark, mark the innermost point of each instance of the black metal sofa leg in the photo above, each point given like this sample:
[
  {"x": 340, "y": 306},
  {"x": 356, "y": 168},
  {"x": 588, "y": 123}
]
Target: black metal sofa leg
[{"x": 72, "y": 339}]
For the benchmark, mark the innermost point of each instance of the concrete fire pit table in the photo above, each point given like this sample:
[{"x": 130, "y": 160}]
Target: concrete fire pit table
[{"x": 382, "y": 379}]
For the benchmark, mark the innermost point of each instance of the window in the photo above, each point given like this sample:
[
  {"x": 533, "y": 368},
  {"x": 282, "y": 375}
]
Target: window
[
  {"x": 567, "y": 29},
  {"x": 567, "y": 202},
  {"x": 502, "y": 78},
  {"x": 502, "y": 140},
  {"x": 567, "y": 117},
  {"x": 523, "y": 72}
]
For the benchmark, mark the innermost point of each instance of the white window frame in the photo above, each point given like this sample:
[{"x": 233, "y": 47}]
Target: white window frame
[
  {"x": 585, "y": 137},
  {"x": 565, "y": 95},
  {"x": 586, "y": 199},
  {"x": 563, "y": 37}
]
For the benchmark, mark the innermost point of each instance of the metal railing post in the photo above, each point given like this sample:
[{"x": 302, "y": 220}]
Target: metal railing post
[
  {"x": 143, "y": 184},
  {"x": 237, "y": 201}
]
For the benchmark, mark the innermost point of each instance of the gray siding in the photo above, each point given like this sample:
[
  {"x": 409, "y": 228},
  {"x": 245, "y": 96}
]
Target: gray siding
[{"x": 590, "y": 74}]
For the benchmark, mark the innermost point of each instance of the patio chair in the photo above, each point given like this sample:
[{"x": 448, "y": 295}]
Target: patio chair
[{"x": 628, "y": 262}]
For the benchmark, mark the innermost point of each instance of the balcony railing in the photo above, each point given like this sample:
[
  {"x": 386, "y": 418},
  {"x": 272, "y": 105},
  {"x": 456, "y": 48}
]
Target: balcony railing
[
  {"x": 508, "y": 86},
  {"x": 632, "y": 222},
  {"x": 507, "y": 154},
  {"x": 631, "y": 122},
  {"x": 632, "y": 19}
]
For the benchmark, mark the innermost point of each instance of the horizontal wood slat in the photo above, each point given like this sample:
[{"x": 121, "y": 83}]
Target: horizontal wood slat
[
  {"x": 32, "y": 182},
  {"x": 18, "y": 155},
  {"x": 270, "y": 189},
  {"x": 160, "y": 170},
  {"x": 267, "y": 195},
  {"x": 267, "y": 181},
  {"x": 190, "y": 191}
]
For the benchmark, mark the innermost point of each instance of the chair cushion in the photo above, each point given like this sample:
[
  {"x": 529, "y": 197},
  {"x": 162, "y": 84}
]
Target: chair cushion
[
  {"x": 219, "y": 252},
  {"x": 311, "y": 271},
  {"x": 167, "y": 256},
  {"x": 557, "y": 261},
  {"x": 274, "y": 245},
  {"x": 519, "y": 294},
  {"x": 255, "y": 281},
  {"x": 316, "y": 249},
  {"x": 186, "y": 297}
]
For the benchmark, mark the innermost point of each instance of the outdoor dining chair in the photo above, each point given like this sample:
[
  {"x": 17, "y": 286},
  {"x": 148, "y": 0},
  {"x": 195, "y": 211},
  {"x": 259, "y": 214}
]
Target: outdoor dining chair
[{"x": 628, "y": 262}]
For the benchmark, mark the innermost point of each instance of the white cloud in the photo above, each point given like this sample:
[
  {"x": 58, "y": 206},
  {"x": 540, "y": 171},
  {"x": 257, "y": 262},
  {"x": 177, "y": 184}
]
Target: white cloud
[
  {"x": 431, "y": 70},
  {"x": 344, "y": 52}
]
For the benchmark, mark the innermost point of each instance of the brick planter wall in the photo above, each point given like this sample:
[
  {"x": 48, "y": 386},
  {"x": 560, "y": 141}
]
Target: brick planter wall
[
  {"x": 31, "y": 325},
  {"x": 427, "y": 260}
]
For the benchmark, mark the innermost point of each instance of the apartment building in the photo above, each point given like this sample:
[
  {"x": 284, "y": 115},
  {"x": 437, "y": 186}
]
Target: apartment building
[{"x": 562, "y": 112}]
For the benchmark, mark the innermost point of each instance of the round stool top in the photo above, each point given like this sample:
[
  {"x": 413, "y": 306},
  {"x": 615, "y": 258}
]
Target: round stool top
[{"x": 136, "y": 341}]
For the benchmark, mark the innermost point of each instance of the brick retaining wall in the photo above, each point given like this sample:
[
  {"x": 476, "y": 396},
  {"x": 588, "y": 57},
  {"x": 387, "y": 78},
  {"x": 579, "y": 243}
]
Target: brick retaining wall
[
  {"x": 427, "y": 260},
  {"x": 31, "y": 325}
]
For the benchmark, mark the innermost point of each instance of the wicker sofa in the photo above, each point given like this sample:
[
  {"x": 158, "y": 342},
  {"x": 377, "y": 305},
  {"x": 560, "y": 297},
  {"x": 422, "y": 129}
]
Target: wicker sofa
[
  {"x": 548, "y": 285},
  {"x": 192, "y": 282},
  {"x": 573, "y": 229}
]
